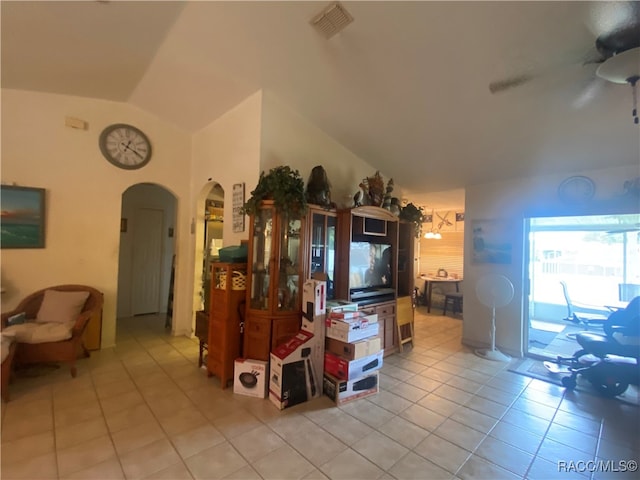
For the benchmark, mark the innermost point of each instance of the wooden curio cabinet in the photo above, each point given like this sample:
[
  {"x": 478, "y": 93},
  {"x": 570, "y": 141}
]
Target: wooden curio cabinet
[
  {"x": 321, "y": 244},
  {"x": 227, "y": 296},
  {"x": 275, "y": 277}
]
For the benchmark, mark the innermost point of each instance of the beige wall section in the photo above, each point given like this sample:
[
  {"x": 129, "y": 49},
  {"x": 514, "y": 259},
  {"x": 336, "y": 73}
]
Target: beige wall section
[
  {"x": 511, "y": 201},
  {"x": 226, "y": 152},
  {"x": 290, "y": 139},
  {"x": 84, "y": 193}
]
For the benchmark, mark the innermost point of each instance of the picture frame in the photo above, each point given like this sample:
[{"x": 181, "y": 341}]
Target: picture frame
[
  {"x": 492, "y": 242},
  {"x": 23, "y": 217},
  {"x": 238, "y": 203}
]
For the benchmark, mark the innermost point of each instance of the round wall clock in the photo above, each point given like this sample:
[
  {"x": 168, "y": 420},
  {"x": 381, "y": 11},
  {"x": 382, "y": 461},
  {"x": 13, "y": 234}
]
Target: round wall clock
[
  {"x": 125, "y": 146},
  {"x": 576, "y": 189}
]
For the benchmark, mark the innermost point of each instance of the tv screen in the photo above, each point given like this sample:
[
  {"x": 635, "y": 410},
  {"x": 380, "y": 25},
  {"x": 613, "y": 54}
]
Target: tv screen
[{"x": 369, "y": 265}]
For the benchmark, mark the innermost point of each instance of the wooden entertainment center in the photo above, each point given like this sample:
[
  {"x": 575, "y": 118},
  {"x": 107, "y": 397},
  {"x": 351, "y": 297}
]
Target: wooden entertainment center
[
  {"x": 284, "y": 251},
  {"x": 374, "y": 226}
]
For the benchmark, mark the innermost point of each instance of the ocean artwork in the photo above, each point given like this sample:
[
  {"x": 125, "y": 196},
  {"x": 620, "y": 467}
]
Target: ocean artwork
[
  {"x": 492, "y": 241},
  {"x": 22, "y": 217}
]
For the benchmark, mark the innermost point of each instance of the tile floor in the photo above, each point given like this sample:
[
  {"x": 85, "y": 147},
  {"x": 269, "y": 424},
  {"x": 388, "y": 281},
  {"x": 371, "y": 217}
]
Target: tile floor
[{"x": 144, "y": 410}]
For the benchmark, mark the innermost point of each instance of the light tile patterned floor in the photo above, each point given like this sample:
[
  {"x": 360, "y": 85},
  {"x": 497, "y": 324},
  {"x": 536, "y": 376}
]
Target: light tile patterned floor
[{"x": 144, "y": 410}]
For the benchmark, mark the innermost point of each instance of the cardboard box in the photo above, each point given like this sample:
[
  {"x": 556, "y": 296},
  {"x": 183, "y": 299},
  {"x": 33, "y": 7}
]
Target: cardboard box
[
  {"x": 313, "y": 307},
  {"x": 341, "y": 306},
  {"x": 354, "y": 350},
  {"x": 357, "y": 323},
  {"x": 343, "y": 391},
  {"x": 345, "y": 315},
  {"x": 250, "y": 377},
  {"x": 292, "y": 378},
  {"x": 344, "y": 369},
  {"x": 314, "y": 297},
  {"x": 353, "y": 330},
  {"x": 353, "y": 335}
]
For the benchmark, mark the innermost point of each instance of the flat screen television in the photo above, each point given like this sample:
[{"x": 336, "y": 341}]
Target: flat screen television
[{"x": 369, "y": 267}]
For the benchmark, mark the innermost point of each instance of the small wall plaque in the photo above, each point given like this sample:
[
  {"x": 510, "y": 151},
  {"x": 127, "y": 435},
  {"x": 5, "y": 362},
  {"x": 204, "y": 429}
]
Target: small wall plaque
[{"x": 238, "y": 202}]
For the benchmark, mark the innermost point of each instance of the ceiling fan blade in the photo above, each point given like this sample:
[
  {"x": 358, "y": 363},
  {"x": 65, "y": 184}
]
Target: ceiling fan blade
[
  {"x": 508, "y": 83},
  {"x": 593, "y": 55},
  {"x": 589, "y": 92}
]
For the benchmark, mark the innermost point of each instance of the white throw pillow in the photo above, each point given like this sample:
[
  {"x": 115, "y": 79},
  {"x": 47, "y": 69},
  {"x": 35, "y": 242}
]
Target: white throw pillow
[
  {"x": 40, "y": 332},
  {"x": 61, "y": 307}
]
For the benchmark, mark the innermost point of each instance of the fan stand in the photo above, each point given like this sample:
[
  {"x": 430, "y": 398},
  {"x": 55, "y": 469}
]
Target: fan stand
[{"x": 492, "y": 353}]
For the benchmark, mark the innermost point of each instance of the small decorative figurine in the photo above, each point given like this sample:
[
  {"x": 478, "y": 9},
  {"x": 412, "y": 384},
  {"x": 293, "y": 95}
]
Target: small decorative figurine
[
  {"x": 361, "y": 197},
  {"x": 387, "y": 196},
  {"x": 318, "y": 188}
]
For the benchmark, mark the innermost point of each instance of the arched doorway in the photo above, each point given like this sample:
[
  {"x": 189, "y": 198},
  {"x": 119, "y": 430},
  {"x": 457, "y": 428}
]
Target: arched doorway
[
  {"x": 209, "y": 235},
  {"x": 147, "y": 246}
]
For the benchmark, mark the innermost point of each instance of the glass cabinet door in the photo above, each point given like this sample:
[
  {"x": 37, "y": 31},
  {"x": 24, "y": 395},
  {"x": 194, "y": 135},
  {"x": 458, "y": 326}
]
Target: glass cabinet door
[
  {"x": 323, "y": 252},
  {"x": 263, "y": 224},
  {"x": 289, "y": 264}
]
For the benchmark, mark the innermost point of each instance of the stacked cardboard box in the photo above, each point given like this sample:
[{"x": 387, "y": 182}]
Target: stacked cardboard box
[
  {"x": 292, "y": 379},
  {"x": 353, "y": 353},
  {"x": 297, "y": 365}
]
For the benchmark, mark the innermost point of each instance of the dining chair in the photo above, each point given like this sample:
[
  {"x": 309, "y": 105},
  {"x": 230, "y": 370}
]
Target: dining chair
[{"x": 582, "y": 313}]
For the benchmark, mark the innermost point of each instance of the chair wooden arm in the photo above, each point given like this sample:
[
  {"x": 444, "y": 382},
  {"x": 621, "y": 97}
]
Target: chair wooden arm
[
  {"x": 29, "y": 305},
  {"x": 81, "y": 323}
]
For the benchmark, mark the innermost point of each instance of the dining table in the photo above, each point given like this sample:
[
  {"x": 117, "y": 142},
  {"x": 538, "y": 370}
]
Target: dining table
[{"x": 431, "y": 280}]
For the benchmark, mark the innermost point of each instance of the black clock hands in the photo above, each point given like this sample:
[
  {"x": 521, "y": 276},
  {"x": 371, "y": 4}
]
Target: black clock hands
[{"x": 127, "y": 147}]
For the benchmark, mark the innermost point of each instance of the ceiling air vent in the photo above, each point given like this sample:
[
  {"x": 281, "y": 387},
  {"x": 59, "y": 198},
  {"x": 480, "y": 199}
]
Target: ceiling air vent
[{"x": 332, "y": 20}]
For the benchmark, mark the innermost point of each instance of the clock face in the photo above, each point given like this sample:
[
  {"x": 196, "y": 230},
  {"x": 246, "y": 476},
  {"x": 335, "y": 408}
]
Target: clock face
[
  {"x": 125, "y": 146},
  {"x": 576, "y": 189}
]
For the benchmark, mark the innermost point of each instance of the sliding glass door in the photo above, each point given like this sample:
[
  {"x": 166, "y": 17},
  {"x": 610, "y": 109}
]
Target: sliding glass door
[{"x": 597, "y": 258}]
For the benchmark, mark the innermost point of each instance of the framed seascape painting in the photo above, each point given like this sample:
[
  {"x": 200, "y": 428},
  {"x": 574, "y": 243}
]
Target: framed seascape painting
[
  {"x": 23, "y": 215},
  {"x": 492, "y": 241}
]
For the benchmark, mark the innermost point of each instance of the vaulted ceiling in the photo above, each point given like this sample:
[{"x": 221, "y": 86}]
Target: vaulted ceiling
[{"x": 405, "y": 86}]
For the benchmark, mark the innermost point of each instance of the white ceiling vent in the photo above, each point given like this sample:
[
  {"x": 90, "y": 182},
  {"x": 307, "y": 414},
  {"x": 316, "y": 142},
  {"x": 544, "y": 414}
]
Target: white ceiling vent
[{"x": 332, "y": 19}]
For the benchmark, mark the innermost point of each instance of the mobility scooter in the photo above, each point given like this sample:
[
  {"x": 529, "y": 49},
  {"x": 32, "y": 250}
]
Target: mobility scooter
[{"x": 609, "y": 361}]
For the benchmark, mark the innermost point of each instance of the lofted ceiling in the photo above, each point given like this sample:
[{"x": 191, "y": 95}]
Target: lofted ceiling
[{"x": 405, "y": 86}]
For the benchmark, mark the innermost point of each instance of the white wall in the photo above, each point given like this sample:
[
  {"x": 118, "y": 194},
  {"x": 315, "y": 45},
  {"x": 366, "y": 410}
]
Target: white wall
[
  {"x": 226, "y": 152},
  {"x": 84, "y": 193},
  {"x": 511, "y": 201},
  {"x": 290, "y": 139}
]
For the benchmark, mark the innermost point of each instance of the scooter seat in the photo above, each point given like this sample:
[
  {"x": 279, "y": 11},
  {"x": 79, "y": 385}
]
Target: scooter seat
[
  {"x": 588, "y": 338},
  {"x": 601, "y": 345}
]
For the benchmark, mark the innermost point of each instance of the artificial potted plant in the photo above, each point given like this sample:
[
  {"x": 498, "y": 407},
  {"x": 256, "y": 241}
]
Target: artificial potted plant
[
  {"x": 413, "y": 214},
  {"x": 282, "y": 185}
]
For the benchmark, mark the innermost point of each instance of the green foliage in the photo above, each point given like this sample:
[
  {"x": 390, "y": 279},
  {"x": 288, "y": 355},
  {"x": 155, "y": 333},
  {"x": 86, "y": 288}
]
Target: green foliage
[
  {"x": 282, "y": 185},
  {"x": 414, "y": 214}
]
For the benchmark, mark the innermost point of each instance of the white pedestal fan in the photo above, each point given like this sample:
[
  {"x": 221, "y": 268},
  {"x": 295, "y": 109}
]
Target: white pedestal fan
[{"x": 494, "y": 291}]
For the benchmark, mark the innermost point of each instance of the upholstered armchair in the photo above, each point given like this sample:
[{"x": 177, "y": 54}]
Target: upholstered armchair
[{"x": 48, "y": 325}]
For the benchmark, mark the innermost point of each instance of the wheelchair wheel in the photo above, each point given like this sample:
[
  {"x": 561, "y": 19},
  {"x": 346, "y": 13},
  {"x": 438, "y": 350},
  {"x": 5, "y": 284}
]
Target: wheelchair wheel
[
  {"x": 609, "y": 386},
  {"x": 569, "y": 383}
]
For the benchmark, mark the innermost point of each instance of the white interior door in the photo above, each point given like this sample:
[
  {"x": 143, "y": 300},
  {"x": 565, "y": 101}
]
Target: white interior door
[{"x": 146, "y": 261}]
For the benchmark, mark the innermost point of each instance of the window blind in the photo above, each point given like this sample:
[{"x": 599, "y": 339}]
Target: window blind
[{"x": 447, "y": 253}]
